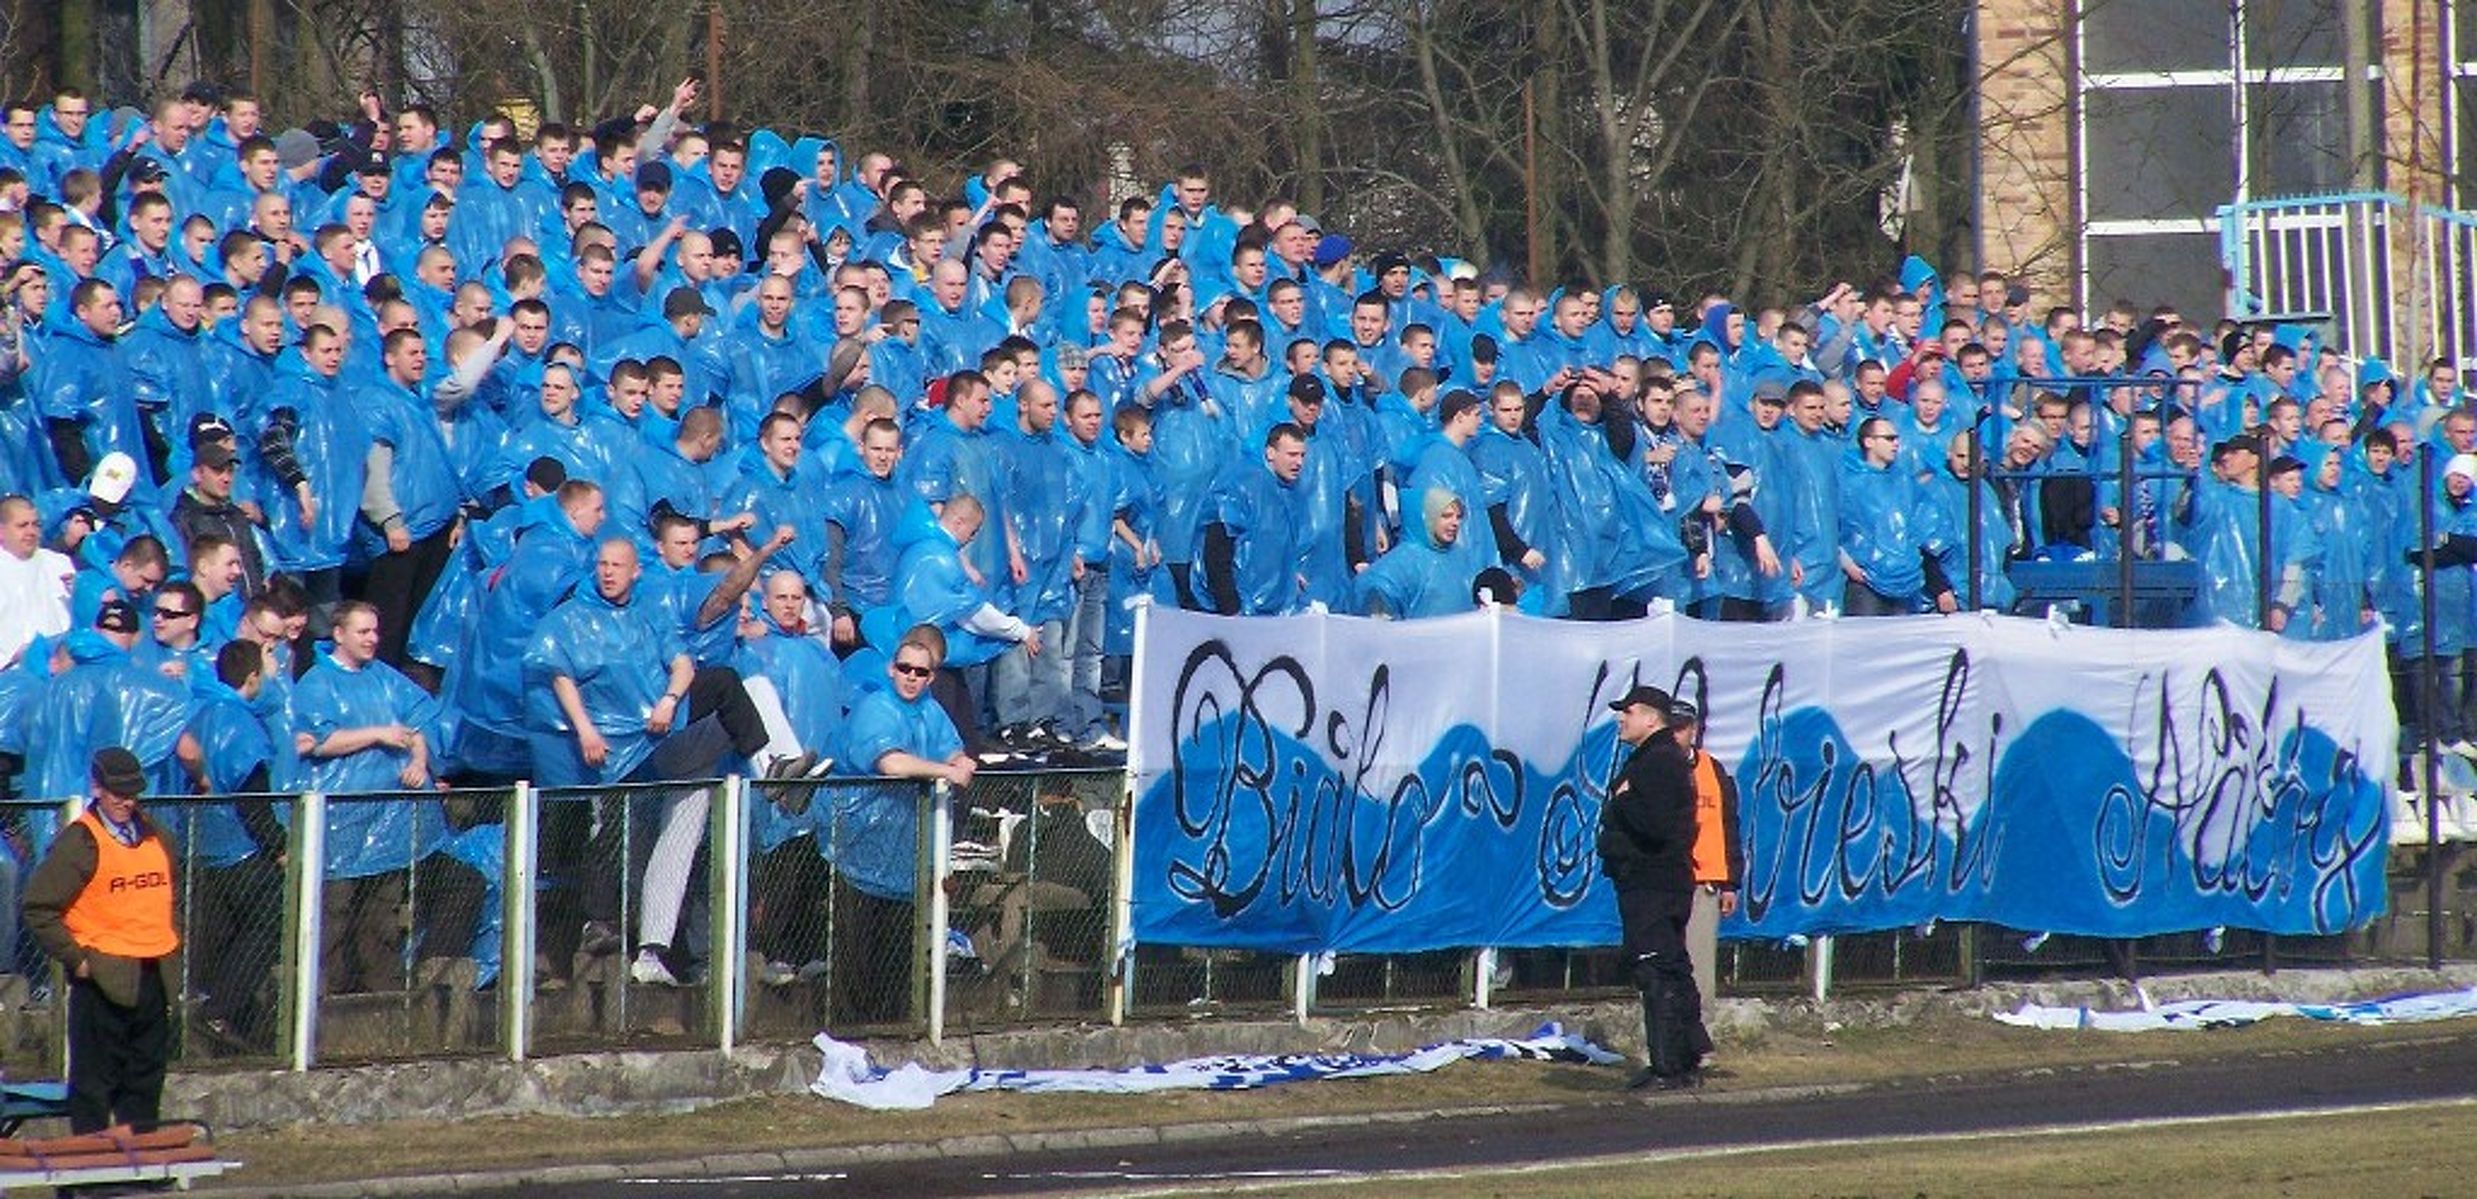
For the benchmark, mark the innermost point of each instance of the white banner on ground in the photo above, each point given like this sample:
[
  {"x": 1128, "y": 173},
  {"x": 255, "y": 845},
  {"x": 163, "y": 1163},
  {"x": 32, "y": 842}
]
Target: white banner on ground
[
  {"x": 2196, "y": 1014},
  {"x": 849, "y": 1077}
]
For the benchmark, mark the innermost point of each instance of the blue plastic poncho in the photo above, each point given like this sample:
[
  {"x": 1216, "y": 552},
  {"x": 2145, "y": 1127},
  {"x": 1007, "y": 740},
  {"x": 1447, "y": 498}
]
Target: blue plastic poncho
[
  {"x": 1884, "y": 526},
  {"x": 1268, "y": 533},
  {"x": 874, "y": 841},
  {"x": 1045, "y": 502},
  {"x": 1420, "y": 577},
  {"x": 619, "y": 656},
  {"x": 1515, "y": 473},
  {"x": 948, "y": 461},
  {"x": 932, "y": 587},
  {"x": 368, "y": 838}
]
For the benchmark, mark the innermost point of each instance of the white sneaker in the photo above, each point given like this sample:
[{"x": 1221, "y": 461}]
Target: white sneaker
[
  {"x": 2408, "y": 821},
  {"x": 649, "y": 970},
  {"x": 2463, "y": 747},
  {"x": 777, "y": 974},
  {"x": 1106, "y": 742}
]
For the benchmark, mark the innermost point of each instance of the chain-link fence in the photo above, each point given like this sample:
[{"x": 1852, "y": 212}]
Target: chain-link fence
[
  {"x": 233, "y": 902},
  {"x": 1937, "y": 955},
  {"x": 1033, "y": 888},
  {"x": 824, "y": 904},
  {"x": 834, "y": 929},
  {"x": 1363, "y": 981},
  {"x": 622, "y": 926},
  {"x": 1172, "y": 980},
  {"x": 408, "y": 924},
  {"x": 33, "y": 1020}
]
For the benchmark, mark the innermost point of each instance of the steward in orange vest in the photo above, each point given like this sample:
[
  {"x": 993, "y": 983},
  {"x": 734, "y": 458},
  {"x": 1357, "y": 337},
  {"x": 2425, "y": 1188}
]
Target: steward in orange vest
[{"x": 101, "y": 904}]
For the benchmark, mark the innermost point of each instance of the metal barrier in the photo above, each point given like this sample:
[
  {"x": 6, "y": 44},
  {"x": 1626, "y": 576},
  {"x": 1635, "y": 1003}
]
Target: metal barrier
[
  {"x": 512, "y": 921},
  {"x": 1032, "y": 895},
  {"x": 2390, "y": 275},
  {"x": 826, "y": 945},
  {"x": 607, "y": 865},
  {"x": 405, "y": 923}
]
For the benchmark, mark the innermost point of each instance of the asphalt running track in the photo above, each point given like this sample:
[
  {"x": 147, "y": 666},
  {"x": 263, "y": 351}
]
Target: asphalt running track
[{"x": 2442, "y": 1069}]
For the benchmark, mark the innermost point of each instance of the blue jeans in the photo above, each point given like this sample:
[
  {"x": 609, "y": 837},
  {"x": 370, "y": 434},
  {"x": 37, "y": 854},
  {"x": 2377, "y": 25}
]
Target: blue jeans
[
  {"x": 1084, "y": 628},
  {"x": 1026, "y": 689}
]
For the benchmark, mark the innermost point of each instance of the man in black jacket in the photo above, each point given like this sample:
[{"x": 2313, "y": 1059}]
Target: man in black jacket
[{"x": 1646, "y": 847}]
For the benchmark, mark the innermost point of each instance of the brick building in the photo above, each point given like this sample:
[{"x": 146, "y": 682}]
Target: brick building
[{"x": 2113, "y": 130}]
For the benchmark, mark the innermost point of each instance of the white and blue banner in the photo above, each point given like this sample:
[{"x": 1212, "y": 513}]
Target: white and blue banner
[
  {"x": 1328, "y": 783},
  {"x": 848, "y": 1075}
]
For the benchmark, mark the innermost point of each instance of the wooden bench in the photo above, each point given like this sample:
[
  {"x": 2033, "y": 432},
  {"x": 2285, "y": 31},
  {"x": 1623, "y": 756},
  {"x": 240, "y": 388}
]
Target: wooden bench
[{"x": 176, "y": 1152}]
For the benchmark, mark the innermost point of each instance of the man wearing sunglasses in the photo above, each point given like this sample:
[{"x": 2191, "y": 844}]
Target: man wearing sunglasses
[
  {"x": 899, "y": 732},
  {"x": 1887, "y": 544}
]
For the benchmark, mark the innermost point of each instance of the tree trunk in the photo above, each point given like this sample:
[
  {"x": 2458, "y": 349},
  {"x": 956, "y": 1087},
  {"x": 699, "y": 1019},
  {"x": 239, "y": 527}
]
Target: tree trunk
[
  {"x": 856, "y": 49},
  {"x": 1467, "y": 222},
  {"x": 1307, "y": 105}
]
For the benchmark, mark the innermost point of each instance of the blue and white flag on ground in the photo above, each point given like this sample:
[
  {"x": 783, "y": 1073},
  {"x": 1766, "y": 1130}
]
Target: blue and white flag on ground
[
  {"x": 2231, "y": 1013},
  {"x": 849, "y": 1077}
]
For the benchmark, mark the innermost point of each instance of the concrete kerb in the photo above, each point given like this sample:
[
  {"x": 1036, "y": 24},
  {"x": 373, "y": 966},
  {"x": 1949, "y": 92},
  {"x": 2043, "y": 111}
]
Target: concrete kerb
[{"x": 614, "y": 1084}]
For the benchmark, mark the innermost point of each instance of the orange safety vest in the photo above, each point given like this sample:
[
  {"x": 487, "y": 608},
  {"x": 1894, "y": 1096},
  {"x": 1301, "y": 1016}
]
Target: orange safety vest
[
  {"x": 1711, "y": 847},
  {"x": 126, "y": 908}
]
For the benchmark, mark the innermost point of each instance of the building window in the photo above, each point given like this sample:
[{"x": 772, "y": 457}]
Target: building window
[{"x": 2183, "y": 106}]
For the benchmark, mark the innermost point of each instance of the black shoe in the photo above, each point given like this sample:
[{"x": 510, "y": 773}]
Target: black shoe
[
  {"x": 1641, "y": 1078},
  {"x": 1677, "y": 1082}
]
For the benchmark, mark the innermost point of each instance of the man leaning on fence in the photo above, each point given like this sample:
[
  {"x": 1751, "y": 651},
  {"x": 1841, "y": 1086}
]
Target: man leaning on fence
[
  {"x": 898, "y": 731},
  {"x": 101, "y": 904}
]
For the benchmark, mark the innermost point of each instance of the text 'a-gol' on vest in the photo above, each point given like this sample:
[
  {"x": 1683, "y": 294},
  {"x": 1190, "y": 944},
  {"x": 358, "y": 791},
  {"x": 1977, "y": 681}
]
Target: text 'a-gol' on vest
[{"x": 125, "y": 909}]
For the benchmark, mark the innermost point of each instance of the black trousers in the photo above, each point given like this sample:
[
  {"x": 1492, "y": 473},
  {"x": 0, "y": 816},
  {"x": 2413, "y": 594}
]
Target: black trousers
[
  {"x": 872, "y": 957},
  {"x": 234, "y": 942},
  {"x": 716, "y": 691},
  {"x": 1862, "y": 600},
  {"x": 1654, "y": 923},
  {"x": 1744, "y": 610},
  {"x": 787, "y": 902},
  {"x": 117, "y": 1055},
  {"x": 397, "y": 584}
]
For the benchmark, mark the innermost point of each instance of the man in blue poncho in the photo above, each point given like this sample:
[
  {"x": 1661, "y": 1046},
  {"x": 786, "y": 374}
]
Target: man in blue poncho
[
  {"x": 956, "y": 454},
  {"x": 787, "y": 875},
  {"x": 409, "y": 499},
  {"x": 896, "y": 731},
  {"x": 1252, "y": 537},
  {"x": 368, "y": 729},
  {"x": 244, "y": 750},
  {"x": 861, "y": 511},
  {"x": 81, "y": 389},
  {"x": 1888, "y": 537},
  {"x": 310, "y": 468},
  {"x": 614, "y": 696},
  {"x": 1045, "y": 505},
  {"x": 1519, "y": 499}
]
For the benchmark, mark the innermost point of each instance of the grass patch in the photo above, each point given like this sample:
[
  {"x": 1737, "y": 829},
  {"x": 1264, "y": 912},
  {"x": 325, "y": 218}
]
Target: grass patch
[{"x": 1917, "y": 1053}]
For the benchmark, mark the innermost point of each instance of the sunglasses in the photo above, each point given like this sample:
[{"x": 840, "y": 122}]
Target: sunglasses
[
  {"x": 172, "y": 614},
  {"x": 909, "y": 671}
]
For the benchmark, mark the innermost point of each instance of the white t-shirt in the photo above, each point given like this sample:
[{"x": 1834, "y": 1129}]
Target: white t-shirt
[{"x": 34, "y": 600}]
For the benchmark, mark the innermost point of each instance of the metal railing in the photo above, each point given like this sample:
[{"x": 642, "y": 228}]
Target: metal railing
[
  {"x": 2390, "y": 275},
  {"x": 510, "y": 922}
]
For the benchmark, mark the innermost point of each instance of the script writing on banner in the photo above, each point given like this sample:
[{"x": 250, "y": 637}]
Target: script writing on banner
[{"x": 1328, "y": 783}]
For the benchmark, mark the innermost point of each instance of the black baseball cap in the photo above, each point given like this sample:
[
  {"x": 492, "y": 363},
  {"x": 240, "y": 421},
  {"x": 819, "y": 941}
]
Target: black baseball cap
[{"x": 1644, "y": 693}]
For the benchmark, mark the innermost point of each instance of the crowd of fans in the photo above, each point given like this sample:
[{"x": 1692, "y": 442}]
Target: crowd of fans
[{"x": 365, "y": 455}]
